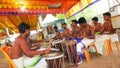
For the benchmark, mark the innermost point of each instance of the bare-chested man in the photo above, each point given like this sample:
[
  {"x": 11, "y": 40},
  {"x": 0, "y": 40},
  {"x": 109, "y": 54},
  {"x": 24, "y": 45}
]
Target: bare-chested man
[
  {"x": 58, "y": 34},
  {"x": 97, "y": 26},
  {"x": 75, "y": 29},
  {"x": 66, "y": 33},
  {"x": 86, "y": 29},
  {"x": 21, "y": 55},
  {"x": 88, "y": 35},
  {"x": 108, "y": 23},
  {"x": 107, "y": 33}
]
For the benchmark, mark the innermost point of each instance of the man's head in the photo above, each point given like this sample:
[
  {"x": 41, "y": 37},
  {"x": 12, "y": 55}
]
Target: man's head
[
  {"x": 56, "y": 29},
  {"x": 74, "y": 23},
  {"x": 64, "y": 25},
  {"x": 107, "y": 16},
  {"x": 24, "y": 29},
  {"x": 82, "y": 21},
  {"x": 94, "y": 20}
]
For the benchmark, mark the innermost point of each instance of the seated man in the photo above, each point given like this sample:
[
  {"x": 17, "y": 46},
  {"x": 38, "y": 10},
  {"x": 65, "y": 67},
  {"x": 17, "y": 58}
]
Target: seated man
[
  {"x": 58, "y": 34},
  {"x": 98, "y": 28},
  {"x": 22, "y": 56},
  {"x": 107, "y": 26},
  {"x": 88, "y": 35},
  {"x": 66, "y": 34},
  {"x": 75, "y": 29},
  {"x": 107, "y": 33}
]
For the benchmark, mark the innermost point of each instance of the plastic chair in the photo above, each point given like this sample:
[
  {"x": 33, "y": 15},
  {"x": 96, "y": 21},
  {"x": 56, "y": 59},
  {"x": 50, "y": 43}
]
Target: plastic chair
[
  {"x": 87, "y": 55},
  {"x": 8, "y": 59},
  {"x": 109, "y": 46}
]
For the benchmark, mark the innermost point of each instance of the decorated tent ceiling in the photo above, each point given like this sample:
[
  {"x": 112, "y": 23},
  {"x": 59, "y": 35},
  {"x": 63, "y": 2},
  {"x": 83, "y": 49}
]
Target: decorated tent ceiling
[
  {"x": 12, "y": 22},
  {"x": 13, "y": 12},
  {"x": 35, "y": 6}
]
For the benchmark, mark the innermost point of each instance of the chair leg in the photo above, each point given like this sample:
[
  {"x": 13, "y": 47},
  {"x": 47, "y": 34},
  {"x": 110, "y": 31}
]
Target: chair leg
[
  {"x": 110, "y": 45},
  {"x": 107, "y": 47},
  {"x": 96, "y": 49},
  {"x": 87, "y": 56},
  {"x": 116, "y": 43}
]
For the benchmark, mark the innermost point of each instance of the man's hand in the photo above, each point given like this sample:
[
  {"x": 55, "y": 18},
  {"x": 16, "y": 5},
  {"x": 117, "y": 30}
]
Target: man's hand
[{"x": 47, "y": 51}]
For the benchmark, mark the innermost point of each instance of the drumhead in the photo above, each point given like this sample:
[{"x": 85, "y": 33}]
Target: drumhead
[
  {"x": 52, "y": 49},
  {"x": 53, "y": 56}
]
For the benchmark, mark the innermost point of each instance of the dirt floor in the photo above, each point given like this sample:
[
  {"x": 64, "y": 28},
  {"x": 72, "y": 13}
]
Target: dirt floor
[{"x": 104, "y": 61}]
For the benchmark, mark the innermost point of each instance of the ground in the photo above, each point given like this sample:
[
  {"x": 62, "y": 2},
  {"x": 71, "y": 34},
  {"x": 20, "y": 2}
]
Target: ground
[{"x": 103, "y": 61}]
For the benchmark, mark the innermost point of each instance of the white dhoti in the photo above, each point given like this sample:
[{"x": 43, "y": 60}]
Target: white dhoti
[
  {"x": 100, "y": 41},
  {"x": 27, "y": 62},
  {"x": 84, "y": 43}
]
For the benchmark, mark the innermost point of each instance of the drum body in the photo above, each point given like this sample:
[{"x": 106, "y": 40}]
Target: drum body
[
  {"x": 59, "y": 45},
  {"x": 71, "y": 51},
  {"x": 55, "y": 60}
]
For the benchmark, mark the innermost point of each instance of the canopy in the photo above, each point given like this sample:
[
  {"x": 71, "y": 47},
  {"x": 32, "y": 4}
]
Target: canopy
[
  {"x": 35, "y": 6},
  {"x": 12, "y": 22},
  {"x": 13, "y": 12},
  {"x": 48, "y": 19}
]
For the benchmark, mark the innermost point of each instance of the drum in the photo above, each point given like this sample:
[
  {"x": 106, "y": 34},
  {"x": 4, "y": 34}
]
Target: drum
[
  {"x": 71, "y": 51},
  {"x": 55, "y": 60},
  {"x": 59, "y": 45}
]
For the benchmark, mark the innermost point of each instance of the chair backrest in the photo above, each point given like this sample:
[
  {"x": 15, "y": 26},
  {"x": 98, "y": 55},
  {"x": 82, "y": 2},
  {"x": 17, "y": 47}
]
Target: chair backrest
[{"x": 11, "y": 64}]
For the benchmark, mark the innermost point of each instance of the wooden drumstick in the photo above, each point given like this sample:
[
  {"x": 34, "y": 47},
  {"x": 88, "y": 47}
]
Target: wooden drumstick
[
  {"x": 49, "y": 46},
  {"x": 50, "y": 41},
  {"x": 84, "y": 33}
]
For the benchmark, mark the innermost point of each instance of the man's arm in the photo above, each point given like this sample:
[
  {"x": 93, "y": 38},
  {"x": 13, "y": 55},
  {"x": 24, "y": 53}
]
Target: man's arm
[
  {"x": 27, "y": 51},
  {"x": 100, "y": 27},
  {"x": 36, "y": 41},
  {"x": 92, "y": 35}
]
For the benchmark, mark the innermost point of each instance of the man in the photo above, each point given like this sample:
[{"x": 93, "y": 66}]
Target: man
[
  {"x": 88, "y": 35},
  {"x": 86, "y": 30},
  {"x": 97, "y": 26},
  {"x": 21, "y": 55},
  {"x": 66, "y": 33},
  {"x": 107, "y": 33},
  {"x": 58, "y": 34},
  {"x": 75, "y": 29},
  {"x": 108, "y": 24}
]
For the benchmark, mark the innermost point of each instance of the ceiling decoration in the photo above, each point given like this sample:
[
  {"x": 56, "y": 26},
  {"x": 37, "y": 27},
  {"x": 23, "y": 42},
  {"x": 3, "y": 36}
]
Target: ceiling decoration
[
  {"x": 55, "y": 6},
  {"x": 13, "y": 12},
  {"x": 8, "y": 7},
  {"x": 12, "y": 22}
]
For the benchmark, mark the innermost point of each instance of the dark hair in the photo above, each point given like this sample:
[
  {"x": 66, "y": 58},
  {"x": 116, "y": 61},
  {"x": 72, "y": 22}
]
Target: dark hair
[
  {"x": 75, "y": 21},
  {"x": 82, "y": 20},
  {"x": 95, "y": 19},
  {"x": 23, "y": 26},
  {"x": 55, "y": 27},
  {"x": 64, "y": 24},
  {"x": 107, "y": 14}
]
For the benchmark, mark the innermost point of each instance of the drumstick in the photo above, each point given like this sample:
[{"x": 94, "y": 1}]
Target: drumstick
[
  {"x": 49, "y": 46},
  {"x": 50, "y": 41}
]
